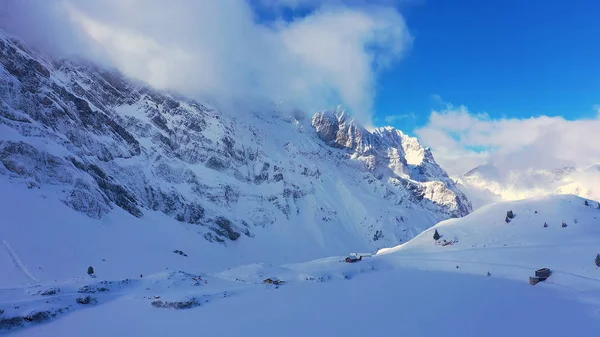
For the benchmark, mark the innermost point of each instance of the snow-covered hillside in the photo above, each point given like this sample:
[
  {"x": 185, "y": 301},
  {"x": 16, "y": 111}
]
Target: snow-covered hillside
[
  {"x": 485, "y": 242},
  {"x": 489, "y": 183},
  {"x": 418, "y": 289},
  {"x": 89, "y": 158}
]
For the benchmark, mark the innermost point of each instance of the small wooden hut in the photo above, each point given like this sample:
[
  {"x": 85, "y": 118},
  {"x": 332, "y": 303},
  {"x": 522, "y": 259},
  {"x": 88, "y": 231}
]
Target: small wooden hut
[
  {"x": 273, "y": 280},
  {"x": 540, "y": 275}
]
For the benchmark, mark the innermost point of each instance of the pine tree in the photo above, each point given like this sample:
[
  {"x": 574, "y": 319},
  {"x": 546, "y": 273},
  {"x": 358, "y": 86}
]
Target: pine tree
[
  {"x": 598, "y": 260},
  {"x": 599, "y": 205},
  {"x": 510, "y": 214},
  {"x": 90, "y": 270},
  {"x": 436, "y": 235},
  {"x": 507, "y": 219},
  {"x": 545, "y": 224},
  {"x": 586, "y": 203}
]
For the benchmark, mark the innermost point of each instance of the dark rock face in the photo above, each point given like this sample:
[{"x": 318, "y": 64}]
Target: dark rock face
[
  {"x": 79, "y": 114},
  {"x": 327, "y": 127},
  {"x": 338, "y": 129}
]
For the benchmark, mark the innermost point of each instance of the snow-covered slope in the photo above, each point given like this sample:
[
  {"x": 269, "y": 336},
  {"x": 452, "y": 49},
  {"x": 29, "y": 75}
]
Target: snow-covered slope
[
  {"x": 88, "y": 156},
  {"x": 419, "y": 288},
  {"x": 484, "y": 242},
  {"x": 489, "y": 183}
]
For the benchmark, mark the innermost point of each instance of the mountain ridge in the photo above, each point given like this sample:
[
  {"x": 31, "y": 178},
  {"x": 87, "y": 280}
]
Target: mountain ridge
[{"x": 97, "y": 141}]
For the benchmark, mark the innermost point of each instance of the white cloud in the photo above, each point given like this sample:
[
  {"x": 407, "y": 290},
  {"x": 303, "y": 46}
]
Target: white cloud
[
  {"x": 219, "y": 49},
  {"x": 296, "y": 4},
  {"x": 461, "y": 140},
  {"x": 520, "y": 154},
  {"x": 392, "y": 119}
]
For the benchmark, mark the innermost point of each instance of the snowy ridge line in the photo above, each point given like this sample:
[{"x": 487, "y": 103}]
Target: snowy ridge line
[
  {"x": 386, "y": 251},
  {"x": 120, "y": 145},
  {"x": 17, "y": 261}
]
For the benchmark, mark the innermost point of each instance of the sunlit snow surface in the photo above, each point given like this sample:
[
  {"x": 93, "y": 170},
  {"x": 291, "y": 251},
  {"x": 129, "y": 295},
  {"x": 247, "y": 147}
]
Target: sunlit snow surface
[{"x": 417, "y": 289}]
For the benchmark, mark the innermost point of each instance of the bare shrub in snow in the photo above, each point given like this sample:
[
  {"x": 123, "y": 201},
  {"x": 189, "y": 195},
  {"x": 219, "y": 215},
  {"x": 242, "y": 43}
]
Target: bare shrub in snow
[
  {"x": 445, "y": 242},
  {"x": 85, "y": 300},
  {"x": 12, "y": 322},
  {"x": 177, "y": 251},
  {"x": 176, "y": 304},
  {"x": 51, "y": 291},
  {"x": 37, "y": 317}
]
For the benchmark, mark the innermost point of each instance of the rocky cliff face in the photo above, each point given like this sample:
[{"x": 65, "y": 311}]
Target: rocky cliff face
[
  {"x": 99, "y": 141},
  {"x": 392, "y": 156}
]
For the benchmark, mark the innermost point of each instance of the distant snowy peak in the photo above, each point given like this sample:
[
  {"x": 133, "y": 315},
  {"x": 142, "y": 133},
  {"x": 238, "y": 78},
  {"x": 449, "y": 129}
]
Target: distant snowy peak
[
  {"x": 514, "y": 184},
  {"x": 490, "y": 171},
  {"x": 483, "y": 168},
  {"x": 593, "y": 168}
]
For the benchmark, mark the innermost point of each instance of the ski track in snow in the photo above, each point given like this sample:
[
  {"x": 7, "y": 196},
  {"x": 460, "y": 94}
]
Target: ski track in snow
[{"x": 17, "y": 261}]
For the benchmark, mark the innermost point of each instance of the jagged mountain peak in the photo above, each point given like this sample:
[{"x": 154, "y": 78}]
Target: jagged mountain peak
[
  {"x": 339, "y": 129},
  {"x": 98, "y": 142},
  {"x": 386, "y": 151}
]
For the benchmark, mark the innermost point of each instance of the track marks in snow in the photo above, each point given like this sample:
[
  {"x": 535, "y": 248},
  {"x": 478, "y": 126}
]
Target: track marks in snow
[{"x": 13, "y": 255}]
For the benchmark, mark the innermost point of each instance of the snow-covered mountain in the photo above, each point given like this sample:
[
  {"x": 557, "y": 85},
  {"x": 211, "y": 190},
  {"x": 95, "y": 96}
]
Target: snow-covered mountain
[
  {"x": 489, "y": 183},
  {"x": 101, "y": 145}
]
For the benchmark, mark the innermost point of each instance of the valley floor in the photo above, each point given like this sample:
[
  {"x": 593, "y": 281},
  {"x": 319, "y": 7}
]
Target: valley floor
[
  {"x": 381, "y": 296},
  {"x": 424, "y": 287}
]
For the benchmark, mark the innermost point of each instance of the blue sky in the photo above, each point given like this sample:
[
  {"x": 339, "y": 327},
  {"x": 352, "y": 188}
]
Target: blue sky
[
  {"x": 508, "y": 58},
  {"x": 533, "y": 68}
]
